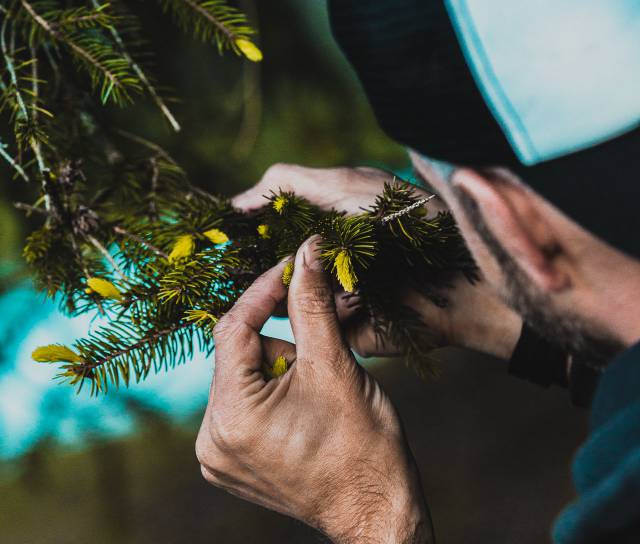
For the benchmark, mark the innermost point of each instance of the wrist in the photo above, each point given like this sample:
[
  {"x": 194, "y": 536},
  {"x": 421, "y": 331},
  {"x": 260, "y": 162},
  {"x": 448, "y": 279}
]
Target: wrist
[
  {"x": 375, "y": 512},
  {"x": 494, "y": 330},
  {"x": 477, "y": 319},
  {"x": 410, "y": 524}
]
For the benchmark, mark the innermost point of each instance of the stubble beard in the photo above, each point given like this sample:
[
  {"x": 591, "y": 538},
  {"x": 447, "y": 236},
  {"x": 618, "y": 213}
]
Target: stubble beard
[{"x": 568, "y": 331}]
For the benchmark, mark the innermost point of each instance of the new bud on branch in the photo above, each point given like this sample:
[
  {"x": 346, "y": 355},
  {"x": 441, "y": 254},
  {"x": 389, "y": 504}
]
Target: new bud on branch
[
  {"x": 249, "y": 50},
  {"x": 188, "y": 266},
  {"x": 158, "y": 258}
]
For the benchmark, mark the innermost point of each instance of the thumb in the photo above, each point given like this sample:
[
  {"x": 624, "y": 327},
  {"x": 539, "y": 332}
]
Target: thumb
[{"x": 311, "y": 305}]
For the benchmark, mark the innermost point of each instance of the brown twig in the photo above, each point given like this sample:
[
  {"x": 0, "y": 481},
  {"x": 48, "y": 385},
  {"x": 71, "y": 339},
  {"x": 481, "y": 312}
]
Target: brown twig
[
  {"x": 204, "y": 13},
  {"x": 140, "y": 240},
  {"x": 106, "y": 255},
  {"x": 136, "y": 345},
  {"x": 30, "y": 209},
  {"x": 155, "y": 174}
]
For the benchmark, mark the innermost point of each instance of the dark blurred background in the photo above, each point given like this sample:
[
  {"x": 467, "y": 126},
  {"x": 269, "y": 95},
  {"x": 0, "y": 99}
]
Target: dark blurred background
[{"x": 494, "y": 452}]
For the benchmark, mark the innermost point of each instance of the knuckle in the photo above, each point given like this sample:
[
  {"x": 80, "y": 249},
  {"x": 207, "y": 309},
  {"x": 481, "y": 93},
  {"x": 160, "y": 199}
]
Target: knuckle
[
  {"x": 206, "y": 474},
  {"x": 276, "y": 170},
  {"x": 219, "y": 328},
  {"x": 215, "y": 446},
  {"x": 225, "y": 326},
  {"x": 229, "y": 437},
  {"x": 345, "y": 367},
  {"x": 203, "y": 447},
  {"x": 261, "y": 287},
  {"x": 317, "y": 300}
]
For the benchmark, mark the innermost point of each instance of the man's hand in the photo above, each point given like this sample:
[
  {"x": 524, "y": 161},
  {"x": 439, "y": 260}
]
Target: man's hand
[
  {"x": 345, "y": 189},
  {"x": 322, "y": 443},
  {"x": 475, "y": 317}
]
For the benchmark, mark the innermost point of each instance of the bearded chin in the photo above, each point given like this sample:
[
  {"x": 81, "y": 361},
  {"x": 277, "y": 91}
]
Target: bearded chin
[{"x": 569, "y": 332}]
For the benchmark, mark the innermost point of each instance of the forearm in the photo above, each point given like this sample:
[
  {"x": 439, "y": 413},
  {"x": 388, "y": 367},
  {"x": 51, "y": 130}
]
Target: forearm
[
  {"x": 406, "y": 533},
  {"x": 387, "y": 509},
  {"x": 474, "y": 318},
  {"x": 480, "y": 321},
  {"x": 410, "y": 527}
]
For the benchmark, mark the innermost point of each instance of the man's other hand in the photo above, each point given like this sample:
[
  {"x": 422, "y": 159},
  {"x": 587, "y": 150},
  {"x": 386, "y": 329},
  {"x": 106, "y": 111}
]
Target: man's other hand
[
  {"x": 475, "y": 317},
  {"x": 322, "y": 443},
  {"x": 345, "y": 189}
]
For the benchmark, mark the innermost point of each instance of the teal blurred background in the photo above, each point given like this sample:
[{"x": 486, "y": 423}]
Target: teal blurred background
[{"x": 493, "y": 452}]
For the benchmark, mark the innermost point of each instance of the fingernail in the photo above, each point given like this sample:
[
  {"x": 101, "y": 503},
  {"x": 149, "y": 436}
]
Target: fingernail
[
  {"x": 352, "y": 304},
  {"x": 311, "y": 253}
]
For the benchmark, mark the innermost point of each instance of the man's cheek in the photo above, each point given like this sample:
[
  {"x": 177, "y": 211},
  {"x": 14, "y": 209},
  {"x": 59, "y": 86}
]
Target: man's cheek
[
  {"x": 483, "y": 257},
  {"x": 489, "y": 266}
]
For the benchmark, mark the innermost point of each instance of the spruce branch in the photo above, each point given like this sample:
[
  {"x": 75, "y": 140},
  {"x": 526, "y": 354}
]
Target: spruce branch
[
  {"x": 25, "y": 124},
  {"x": 408, "y": 209},
  {"x": 159, "y": 151},
  {"x": 141, "y": 75},
  {"x": 30, "y": 209},
  {"x": 161, "y": 259},
  {"x": 214, "y": 21},
  {"x": 82, "y": 18},
  {"x": 211, "y": 253},
  {"x": 95, "y": 243},
  {"x": 208, "y": 12},
  {"x": 108, "y": 71},
  {"x": 141, "y": 241},
  {"x": 12, "y": 162},
  {"x": 130, "y": 358}
]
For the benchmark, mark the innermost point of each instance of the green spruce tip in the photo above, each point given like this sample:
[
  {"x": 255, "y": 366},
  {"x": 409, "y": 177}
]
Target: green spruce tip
[
  {"x": 168, "y": 300},
  {"x": 161, "y": 301},
  {"x": 52, "y": 117},
  {"x": 104, "y": 40}
]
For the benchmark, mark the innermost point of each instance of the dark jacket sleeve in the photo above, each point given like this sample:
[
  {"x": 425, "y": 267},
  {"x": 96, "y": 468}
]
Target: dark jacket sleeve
[
  {"x": 606, "y": 469},
  {"x": 538, "y": 360}
]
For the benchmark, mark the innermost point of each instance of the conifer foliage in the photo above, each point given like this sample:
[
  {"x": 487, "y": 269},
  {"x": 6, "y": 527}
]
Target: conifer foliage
[
  {"x": 123, "y": 233},
  {"x": 168, "y": 278}
]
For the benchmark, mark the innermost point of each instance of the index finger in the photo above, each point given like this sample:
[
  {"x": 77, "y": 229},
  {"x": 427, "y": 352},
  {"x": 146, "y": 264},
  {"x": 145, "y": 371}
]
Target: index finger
[{"x": 236, "y": 335}]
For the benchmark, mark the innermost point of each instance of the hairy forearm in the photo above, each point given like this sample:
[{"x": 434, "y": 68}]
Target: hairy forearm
[
  {"x": 406, "y": 528},
  {"x": 390, "y": 509}
]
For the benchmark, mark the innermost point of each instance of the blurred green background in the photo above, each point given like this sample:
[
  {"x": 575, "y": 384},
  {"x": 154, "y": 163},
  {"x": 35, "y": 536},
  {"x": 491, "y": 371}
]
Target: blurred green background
[{"x": 494, "y": 452}]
